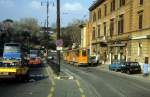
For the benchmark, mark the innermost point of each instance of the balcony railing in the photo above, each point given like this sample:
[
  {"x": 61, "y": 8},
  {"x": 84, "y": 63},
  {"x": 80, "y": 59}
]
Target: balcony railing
[
  {"x": 124, "y": 36},
  {"x": 102, "y": 39}
]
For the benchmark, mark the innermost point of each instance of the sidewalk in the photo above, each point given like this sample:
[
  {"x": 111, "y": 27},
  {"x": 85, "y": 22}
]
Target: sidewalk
[{"x": 137, "y": 76}]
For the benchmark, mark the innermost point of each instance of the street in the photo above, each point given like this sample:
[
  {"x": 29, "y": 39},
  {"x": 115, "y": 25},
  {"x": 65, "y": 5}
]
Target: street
[
  {"x": 86, "y": 82},
  {"x": 97, "y": 83},
  {"x": 74, "y": 48},
  {"x": 38, "y": 85}
]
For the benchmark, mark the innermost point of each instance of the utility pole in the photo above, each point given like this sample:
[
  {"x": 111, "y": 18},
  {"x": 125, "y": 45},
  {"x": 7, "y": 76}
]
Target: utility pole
[
  {"x": 47, "y": 20},
  {"x": 58, "y": 34},
  {"x": 47, "y": 13}
]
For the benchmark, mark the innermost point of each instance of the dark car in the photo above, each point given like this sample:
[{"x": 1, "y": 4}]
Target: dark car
[{"x": 130, "y": 67}]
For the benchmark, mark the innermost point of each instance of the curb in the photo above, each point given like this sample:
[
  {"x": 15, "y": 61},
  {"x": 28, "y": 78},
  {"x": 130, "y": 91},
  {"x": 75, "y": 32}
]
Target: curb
[
  {"x": 59, "y": 77},
  {"x": 64, "y": 77}
]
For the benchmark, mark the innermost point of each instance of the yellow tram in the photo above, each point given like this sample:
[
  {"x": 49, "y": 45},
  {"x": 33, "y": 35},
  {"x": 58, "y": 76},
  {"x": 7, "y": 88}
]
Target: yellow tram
[{"x": 77, "y": 56}]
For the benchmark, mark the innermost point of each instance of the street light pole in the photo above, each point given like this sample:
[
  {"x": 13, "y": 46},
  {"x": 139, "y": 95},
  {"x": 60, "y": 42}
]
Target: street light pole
[{"x": 58, "y": 34}]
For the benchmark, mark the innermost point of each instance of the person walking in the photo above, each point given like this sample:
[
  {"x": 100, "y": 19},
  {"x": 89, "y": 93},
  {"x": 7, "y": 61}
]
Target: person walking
[
  {"x": 98, "y": 58},
  {"x": 145, "y": 68}
]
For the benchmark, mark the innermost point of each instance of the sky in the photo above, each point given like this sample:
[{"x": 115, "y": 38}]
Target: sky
[{"x": 70, "y": 10}]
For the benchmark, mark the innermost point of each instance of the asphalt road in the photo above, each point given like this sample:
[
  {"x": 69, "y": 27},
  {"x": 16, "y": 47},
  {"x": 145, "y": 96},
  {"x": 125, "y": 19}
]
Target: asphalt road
[
  {"x": 98, "y": 83},
  {"x": 38, "y": 85},
  {"x": 86, "y": 82}
]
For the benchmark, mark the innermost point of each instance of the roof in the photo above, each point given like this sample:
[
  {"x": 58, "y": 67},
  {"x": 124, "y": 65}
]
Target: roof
[{"x": 95, "y": 4}]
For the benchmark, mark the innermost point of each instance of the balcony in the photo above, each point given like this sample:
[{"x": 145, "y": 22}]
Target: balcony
[
  {"x": 94, "y": 41},
  {"x": 141, "y": 33},
  {"x": 124, "y": 36},
  {"x": 102, "y": 39}
]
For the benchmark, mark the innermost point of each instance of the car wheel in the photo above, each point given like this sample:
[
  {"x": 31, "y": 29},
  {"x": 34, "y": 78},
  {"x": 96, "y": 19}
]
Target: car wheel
[
  {"x": 110, "y": 69},
  {"x": 122, "y": 71},
  {"x": 128, "y": 72}
]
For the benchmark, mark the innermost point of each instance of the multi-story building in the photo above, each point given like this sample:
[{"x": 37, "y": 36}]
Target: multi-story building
[
  {"x": 85, "y": 35},
  {"x": 121, "y": 29}
]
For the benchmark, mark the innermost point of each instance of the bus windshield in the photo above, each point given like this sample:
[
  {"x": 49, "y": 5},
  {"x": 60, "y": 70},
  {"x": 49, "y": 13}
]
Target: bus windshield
[{"x": 14, "y": 49}]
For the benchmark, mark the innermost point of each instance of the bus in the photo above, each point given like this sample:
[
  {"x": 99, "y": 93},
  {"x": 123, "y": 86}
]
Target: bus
[{"x": 13, "y": 64}]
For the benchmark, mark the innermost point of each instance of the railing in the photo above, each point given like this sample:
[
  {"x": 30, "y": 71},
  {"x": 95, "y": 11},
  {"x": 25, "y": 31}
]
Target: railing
[{"x": 102, "y": 39}]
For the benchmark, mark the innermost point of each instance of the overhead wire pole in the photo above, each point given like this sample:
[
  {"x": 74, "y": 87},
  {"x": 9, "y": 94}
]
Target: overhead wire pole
[
  {"x": 47, "y": 14},
  {"x": 47, "y": 19},
  {"x": 58, "y": 34}
]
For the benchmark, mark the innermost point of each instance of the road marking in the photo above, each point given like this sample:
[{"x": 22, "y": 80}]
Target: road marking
[
  {"x": 78, "y": 83},
  {"x": 83, "y": 95},
  {"x": 52, "y": 89},
  {"x": 50, "y": 95},
  {"x": 80, "y": 89}
]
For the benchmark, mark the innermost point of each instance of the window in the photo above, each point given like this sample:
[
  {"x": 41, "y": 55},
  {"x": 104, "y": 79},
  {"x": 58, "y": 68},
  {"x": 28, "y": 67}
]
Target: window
[
  {"x": 105, "y": 10},
  {"x": 112, "y": 6},
  {"x": 98, "y": 31},
  {"x": 93, "y": 36},
  {"x": 84, "y": 53},
  {"x": 91, "y": 17},
  {"x": 120, "y": 24},
  {"x": 141, "y": 2},
  {"x": 122, "y": 3},
  {"x": 140, "y": 20},
  {"x": 140, "y": 49},
  {"x": 77, "y": 52},
  {"x": 111, "y": 27},
  {"x": 104, "y": 28},
  {"x": 99, "y": 13},
  {"x": 94, "y": 17}
]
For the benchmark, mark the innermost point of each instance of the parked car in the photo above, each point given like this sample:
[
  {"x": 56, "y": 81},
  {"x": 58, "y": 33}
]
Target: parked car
[
  {"x": 115, "y": 66},
  {"x": 130, "y": 67},
  {"x": 50, "y": 57},
  {"x": 93, "y": 60}
]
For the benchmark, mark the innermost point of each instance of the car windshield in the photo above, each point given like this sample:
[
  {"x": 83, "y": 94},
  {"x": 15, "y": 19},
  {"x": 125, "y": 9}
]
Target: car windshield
[
  {"x": 93, "y": 57},
  {"x": 33, "y": 52},
  {"x": 133, "y": 64}
]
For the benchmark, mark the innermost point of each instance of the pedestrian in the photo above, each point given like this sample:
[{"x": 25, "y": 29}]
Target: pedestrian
[
  {"x": 145, "y": 69},
  {"x": 97, "y": 58}
]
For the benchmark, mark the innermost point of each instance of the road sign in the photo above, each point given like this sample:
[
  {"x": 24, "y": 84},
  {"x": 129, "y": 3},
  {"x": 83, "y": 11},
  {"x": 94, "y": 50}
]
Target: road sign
[
  {"x": 59, "y": 48},
  {"x": 59, "y": 43}
]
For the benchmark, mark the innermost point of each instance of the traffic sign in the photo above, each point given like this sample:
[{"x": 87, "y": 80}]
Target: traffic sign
[
  {"x": 59, "y": 48},
  {"x": 59, "y": 43}
]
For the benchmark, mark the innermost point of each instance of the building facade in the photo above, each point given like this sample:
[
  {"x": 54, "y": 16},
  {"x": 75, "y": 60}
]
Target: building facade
[
  {"x": 85, "y": 35},
  {"x": 121, "y": 29}
]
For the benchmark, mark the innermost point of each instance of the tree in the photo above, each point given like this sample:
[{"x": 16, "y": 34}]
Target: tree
[
  {"x": 72, "y": 33},
  {"x": 27, "y": 29}
]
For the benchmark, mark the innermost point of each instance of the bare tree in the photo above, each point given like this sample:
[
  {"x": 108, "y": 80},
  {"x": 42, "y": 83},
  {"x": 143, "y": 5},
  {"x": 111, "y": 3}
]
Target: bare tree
[{"x": 72, "y": 33}]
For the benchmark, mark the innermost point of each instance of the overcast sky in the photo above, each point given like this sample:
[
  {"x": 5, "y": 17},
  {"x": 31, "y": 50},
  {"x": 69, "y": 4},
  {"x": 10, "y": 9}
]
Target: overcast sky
[{"x": 70, "y": 9}]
